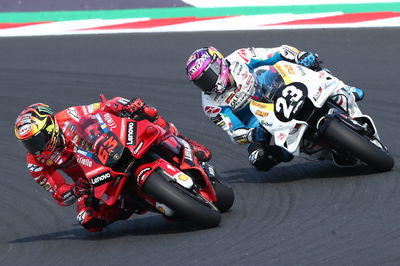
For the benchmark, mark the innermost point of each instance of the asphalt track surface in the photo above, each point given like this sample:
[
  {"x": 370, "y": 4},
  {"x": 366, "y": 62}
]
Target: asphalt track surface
[{"x": 299, "y": 213}]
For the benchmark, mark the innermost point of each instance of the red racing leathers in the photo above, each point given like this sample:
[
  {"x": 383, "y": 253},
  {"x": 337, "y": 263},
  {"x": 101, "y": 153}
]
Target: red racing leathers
[{"x": 44, "y": 169}]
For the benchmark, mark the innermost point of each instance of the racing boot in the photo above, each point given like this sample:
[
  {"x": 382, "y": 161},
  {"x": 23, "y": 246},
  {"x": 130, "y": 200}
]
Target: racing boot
[
  {"x": 91, "y": 220},
  {"x": 357, "y": 92},
  {"x": 95, "y": 218},
  {"x": 264, "y": 157},
  {"x": 202, "y": 153}
]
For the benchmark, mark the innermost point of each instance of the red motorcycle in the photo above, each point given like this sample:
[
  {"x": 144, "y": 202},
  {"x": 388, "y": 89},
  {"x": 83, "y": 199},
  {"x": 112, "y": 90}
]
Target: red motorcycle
[{"x": 124, "y": 158}]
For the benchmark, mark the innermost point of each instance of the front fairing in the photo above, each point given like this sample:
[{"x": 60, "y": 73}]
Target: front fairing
[
  {"x": 98, "y": 150},
  {"x": 280, "y": 109}
]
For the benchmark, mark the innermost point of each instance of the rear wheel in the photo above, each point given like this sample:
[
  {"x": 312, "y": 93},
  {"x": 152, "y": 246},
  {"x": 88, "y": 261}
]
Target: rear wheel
[
  {"x": 185, "y": 203},
  {"x": 342, "y": 137}
]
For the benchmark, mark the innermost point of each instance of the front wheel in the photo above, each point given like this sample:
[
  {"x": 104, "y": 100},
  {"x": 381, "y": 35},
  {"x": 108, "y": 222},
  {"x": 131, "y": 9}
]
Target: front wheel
[
  {"x": 186, "y": 204},
  {"x": 225, "y": 196},
  {"x": 344, "y": 138}
]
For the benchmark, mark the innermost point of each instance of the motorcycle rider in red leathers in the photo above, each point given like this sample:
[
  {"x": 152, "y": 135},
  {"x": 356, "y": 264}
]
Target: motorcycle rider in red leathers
[{"x": 50, "y": 148}]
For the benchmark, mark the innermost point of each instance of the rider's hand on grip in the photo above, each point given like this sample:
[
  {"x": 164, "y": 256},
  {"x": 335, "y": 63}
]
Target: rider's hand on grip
[
  {"x": 82, "y": 187},
  {"x": 138, "y": 110},
  {"x": 309, "y": 60},
  {"x": 135, "y": 106}
]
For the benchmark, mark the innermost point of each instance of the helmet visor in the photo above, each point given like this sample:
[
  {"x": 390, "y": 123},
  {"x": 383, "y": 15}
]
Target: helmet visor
[
  {"x": 208, "y": 80},
  {"x": 38, "y": 143}
]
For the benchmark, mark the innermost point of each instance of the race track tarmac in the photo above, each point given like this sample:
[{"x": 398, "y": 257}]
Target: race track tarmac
[{"x": 299, "y": 213}]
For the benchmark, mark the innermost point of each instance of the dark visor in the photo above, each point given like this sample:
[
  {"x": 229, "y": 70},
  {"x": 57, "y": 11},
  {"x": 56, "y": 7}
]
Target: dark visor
[
  {"x": 207, "y": 81},
  {"x": 37, "y": 144}
]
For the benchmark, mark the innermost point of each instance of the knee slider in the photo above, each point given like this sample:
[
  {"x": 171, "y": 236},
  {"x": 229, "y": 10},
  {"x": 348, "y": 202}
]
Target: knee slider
[{"x": 87, "y": 219}]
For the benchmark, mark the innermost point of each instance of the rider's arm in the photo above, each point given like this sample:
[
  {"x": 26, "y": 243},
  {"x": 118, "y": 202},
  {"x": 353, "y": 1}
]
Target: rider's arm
[
  {"x": 50, "y": 180},
  {"x": 223, "y": 117},
  {"x": 257, "y": 57},
  {"x": 120, "y": 106}
]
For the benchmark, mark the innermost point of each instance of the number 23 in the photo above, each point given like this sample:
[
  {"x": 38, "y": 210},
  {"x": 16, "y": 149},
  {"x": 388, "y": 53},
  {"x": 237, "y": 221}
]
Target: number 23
[{"x": 295, "y": 95}]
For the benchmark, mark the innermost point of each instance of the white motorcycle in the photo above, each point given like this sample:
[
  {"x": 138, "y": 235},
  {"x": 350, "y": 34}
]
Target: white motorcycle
[{"x": 300, "y": 115}]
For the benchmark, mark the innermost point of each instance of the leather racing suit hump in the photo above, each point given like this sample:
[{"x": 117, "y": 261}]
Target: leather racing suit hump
[
  {"x": 45, "y": 169},
  {"x": 230, "y": 110}
]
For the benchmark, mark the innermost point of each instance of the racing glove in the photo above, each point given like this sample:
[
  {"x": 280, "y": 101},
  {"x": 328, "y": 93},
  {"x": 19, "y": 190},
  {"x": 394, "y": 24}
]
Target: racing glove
[
  {"x": 82, "y": 187},
  {"x": 138, "y": 110},
  {"x": 309, "y": 60},
  {"x": 65, "y": 195}
]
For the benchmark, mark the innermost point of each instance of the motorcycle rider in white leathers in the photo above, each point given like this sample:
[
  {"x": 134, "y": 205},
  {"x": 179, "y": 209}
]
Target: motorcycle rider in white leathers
[{"x": 228, "y": 85}]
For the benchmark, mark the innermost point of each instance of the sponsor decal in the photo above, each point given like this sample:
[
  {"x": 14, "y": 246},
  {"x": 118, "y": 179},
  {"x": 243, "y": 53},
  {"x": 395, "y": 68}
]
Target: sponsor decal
[
  {"x": 188, "y": 151},
  {"x": 161, "y": 209},
  {"x": 38, "y": 177},
  {"x": 93, "y": 107},
  {"x": 301, "y": 70},
  {"x": 198, "y": 64},
  {"x": 282, "y": 72},
  {"x": 138, "y": 147},
  {"x": 193, "y": 69},
  {"x": 43, "y": 181},
  {"x": 249, "y": 80},
  {"x": 289, "y": 69},
  {"x": 318, "y": 94},
  {"x": 183, "y": 177},
  {"x": 47, "y": 187},
  {"x": 84, "y": 153},
  {"x": 229, "y": 98},
  {"x": 26, "y": 119},
  {"x": 73, "y": 113},
  {"x": 24, "y": 129},
  {"x": 84, "y": 161},
  {"x": 266, "y": 106},
  {"x": 123, "y": 101},
  {"x": 98, "y": 117},
  {"x": 109, "y": 121},
  {"x": 212, "y": 109},
  {"x": 56, "y": 157},
  {"x": 242, "y": 53},
  {"x": 191, "y": 58},
  {"x": 131, "y": 134},
  {"x": 170, "y": 167},
  {"x": 262, "y": 113},
  {"x": 34, "y": 168},
  {"x": 101, "y": 179},
  {"x": 281, "y": 136},
  {"x": 142, "y": 172},
  {"x": 268, "y": 124}
]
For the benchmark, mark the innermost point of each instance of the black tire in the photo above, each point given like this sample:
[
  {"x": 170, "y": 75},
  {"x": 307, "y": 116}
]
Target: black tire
[
  {"x": 225, "y": 196},
  {"x": 341, "y": 136},
  {"x": 186, "y": 204}
]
